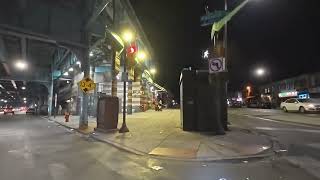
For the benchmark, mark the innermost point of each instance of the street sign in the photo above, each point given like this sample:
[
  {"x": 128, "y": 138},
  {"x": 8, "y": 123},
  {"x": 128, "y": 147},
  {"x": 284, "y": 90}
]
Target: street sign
[
  {"x": 87, "y": 85},
  {"x": 216, "y": 65},
  {"x": 212, "y": 17}
]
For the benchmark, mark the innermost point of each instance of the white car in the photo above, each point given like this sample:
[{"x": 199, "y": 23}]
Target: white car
[{"x": 301, "y": 105}]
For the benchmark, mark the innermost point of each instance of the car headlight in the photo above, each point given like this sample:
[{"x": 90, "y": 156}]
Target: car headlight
[{"x": 311, "y": 106}]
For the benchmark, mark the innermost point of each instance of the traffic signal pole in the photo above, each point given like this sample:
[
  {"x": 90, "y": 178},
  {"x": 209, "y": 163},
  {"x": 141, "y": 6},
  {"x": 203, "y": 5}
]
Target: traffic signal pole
[
  {"x": 218, "y": 83},
  {"x": 124, "y": 127},
  {"x": 224, "y": 92}
]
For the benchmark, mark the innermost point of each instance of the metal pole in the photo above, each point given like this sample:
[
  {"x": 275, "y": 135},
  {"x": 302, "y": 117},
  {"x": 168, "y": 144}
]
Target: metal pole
[
  {"x": 50, "y": 93},
  {"x": 124, "y": 127},
  {"x": 129, "y": 97},
  {"x": 226, "y": 36},
  {"x": 225, "y": 82}
]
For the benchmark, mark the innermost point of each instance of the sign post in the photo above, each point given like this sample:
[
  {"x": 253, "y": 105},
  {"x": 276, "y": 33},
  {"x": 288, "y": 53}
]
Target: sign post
[{"x": 217, "y": 69}]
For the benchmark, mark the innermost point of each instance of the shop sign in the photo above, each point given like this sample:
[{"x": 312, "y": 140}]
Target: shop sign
[{"x": 288, "y": 94}]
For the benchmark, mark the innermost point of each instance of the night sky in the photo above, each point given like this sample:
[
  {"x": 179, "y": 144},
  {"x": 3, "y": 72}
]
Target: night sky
[{"x": 280, "y": 35}]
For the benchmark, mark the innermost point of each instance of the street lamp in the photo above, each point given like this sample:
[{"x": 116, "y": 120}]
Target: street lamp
[
  {"x": 248, "y": 91},
  {"x": 153, "y": 71},
  {"x": 21, "y": 65},
  {"x": 260, "y": 72},
  {"x": 142, "y": 56},
  {"x": 23, "y": 88},
  {"x": 127, "y": 36}
]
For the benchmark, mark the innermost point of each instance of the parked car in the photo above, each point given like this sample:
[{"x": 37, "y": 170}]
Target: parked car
[
  {"x": 234, "y": 103},
  {"x": 301, "y": 105},
  {"x": 8, "y": 110},
  {"x": 31, "y": 111},
  {"x": 258, "y": 102}
]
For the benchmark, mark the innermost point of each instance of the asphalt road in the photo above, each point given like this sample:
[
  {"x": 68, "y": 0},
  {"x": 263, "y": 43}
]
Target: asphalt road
[
  {"x": 32, "y": 148},
  {"x": 287, "y": 133}
]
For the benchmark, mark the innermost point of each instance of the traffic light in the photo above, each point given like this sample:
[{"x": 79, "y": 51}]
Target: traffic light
[{"x": 132, "y": 50}]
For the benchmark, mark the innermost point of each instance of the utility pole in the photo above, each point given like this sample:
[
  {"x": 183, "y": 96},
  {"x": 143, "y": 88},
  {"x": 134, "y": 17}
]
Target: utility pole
[
  {"x": 225, "y": 89},
  {"x": 225, "y": 42}
]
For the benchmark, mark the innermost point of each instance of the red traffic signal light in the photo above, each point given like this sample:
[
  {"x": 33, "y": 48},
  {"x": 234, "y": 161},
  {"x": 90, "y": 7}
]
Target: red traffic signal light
[{"x": 132, "y": 49}]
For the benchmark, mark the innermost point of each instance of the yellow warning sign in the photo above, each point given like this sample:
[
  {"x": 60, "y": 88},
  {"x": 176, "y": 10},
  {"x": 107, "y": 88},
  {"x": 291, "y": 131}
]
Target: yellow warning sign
[{"x": 87, "y": 85}]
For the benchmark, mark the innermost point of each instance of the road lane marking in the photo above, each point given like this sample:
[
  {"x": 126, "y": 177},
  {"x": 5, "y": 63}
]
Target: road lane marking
[
  {"x": 284, "y": 122},
  {"x": 287, "y": 129},
  {"x": 11, "y": 132}
]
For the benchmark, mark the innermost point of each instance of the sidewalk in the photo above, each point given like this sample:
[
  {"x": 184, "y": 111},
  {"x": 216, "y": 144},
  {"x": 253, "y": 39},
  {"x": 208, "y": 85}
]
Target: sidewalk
[
  {"x": 279, "y": 115},
  {"x": 159, "y": 134}
]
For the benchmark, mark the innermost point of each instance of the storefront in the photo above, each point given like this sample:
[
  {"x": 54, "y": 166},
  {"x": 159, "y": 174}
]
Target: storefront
[
  {"x": 304, "y": 94},
  {"x": 314, "y": 92},
  {"x": 284, "y": 95}
]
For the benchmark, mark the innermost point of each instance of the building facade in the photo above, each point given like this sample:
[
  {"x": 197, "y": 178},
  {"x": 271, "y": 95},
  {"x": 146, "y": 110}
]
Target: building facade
[
  {"x": 302, "y": 86},
  {"x": 108, "y": 55}
]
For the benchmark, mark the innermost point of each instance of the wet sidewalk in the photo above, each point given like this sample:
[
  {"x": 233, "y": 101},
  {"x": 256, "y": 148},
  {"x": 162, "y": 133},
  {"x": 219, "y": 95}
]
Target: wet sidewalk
[{"x": 159, "y": 134}]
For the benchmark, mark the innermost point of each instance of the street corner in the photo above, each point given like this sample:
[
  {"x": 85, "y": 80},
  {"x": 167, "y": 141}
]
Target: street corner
[
  {"x": 235, "y": 145},
  {"x": 86, "y": 130}
]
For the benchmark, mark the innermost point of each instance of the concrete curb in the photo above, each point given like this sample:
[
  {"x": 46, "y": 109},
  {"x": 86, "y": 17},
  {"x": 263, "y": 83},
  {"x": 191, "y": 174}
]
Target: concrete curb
[{"x": 264, "y": 154}]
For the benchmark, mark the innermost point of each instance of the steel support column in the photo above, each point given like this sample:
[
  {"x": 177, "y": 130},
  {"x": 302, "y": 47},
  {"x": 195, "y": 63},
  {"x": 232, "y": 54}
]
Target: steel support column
[
  {"x": 50, "y": 99},
  {"x": 3, "y": 55},
  {"x": 24, "y": 48},
  {"x": 50, "y": 90},
  {"x": 83, "y": 124},
  {"x": 94, "y": 99}
]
